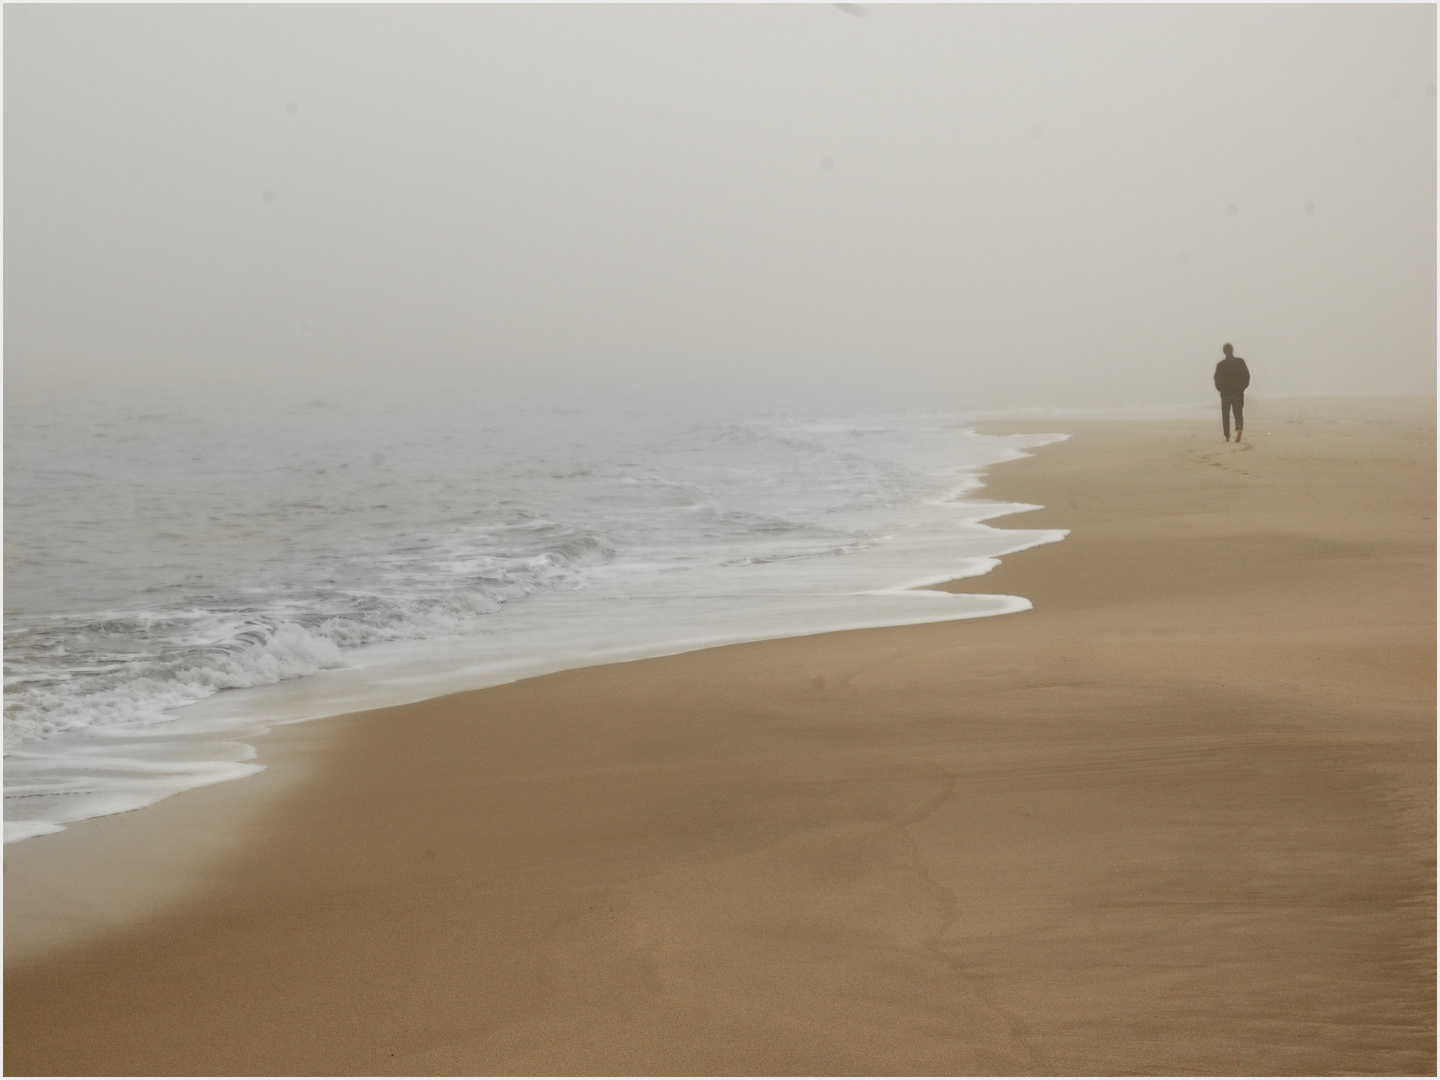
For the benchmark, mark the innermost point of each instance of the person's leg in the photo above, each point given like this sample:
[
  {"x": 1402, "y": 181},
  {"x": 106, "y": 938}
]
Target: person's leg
[
  {"x": 1239, "y": 414},
  {"x": 1225, "y": 415}
]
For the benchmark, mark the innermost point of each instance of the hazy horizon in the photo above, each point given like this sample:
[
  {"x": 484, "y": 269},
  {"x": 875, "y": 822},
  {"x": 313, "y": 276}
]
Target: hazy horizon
[{"x": 950, "y": 207}]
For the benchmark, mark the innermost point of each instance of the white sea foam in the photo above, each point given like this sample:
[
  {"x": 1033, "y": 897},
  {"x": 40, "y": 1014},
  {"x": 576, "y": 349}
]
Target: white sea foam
[{"x": 313, "y": 560}]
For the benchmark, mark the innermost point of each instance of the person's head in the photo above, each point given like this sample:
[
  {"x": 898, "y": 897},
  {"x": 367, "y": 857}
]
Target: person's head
[{"x": 1229, "y": 349}]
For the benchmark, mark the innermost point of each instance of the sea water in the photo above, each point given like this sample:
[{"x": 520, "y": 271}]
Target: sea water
[{"x": 178, "y": 577}]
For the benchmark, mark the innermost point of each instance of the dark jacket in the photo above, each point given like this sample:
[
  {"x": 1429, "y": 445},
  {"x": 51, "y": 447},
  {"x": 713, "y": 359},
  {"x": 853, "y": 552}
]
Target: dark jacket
[{"x": 1231, "y": 375}]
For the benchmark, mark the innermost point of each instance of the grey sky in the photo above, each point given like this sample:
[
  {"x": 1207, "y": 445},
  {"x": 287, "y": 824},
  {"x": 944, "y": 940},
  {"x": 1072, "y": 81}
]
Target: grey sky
[{"x": 940, "y": 206}]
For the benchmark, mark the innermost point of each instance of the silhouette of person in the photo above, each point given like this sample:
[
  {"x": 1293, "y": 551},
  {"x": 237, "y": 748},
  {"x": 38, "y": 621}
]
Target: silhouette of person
[{"x": 1231, "y": 379}]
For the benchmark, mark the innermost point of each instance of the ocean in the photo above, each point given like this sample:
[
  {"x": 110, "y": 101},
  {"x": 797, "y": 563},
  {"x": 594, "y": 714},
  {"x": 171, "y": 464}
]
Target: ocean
[{"x": 178, "y": 578}]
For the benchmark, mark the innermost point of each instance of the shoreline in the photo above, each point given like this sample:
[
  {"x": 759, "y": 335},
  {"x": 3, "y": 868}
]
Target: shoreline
[
  {"x": 742, "y": 587},
  {"x": 1045, "y": 842},
  {"x": 164, "y": 858}
]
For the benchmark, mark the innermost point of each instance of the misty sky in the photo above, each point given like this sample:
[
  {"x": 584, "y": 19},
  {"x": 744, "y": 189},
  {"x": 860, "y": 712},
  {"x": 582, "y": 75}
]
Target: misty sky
[{"x": 927, "y": 207}]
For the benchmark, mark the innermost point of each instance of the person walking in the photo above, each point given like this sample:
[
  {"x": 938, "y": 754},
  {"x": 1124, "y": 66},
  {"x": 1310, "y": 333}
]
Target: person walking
[{"x": 1231, "y": 379}]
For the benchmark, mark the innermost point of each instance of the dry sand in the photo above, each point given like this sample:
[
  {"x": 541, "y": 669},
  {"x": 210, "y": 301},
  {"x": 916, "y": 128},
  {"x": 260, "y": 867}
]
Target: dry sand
[{"x": 1178, "y": 818}]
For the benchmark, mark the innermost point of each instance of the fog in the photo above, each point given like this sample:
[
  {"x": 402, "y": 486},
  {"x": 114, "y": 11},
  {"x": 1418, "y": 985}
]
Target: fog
[{"x": 812, "y": 205}]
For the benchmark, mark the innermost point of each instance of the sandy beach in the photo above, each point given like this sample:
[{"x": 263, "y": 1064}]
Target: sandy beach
[{"x": 1178, "y": 818}]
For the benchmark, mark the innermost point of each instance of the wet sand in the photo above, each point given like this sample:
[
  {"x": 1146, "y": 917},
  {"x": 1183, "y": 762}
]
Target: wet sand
[{"x": 1178, "y": 818}]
